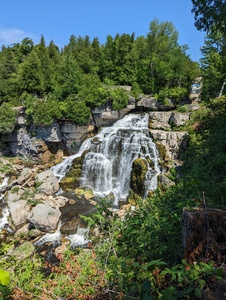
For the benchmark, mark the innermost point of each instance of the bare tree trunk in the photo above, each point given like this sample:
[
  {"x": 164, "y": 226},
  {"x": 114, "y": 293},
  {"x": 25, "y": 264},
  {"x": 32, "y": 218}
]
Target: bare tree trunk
[{"x": 222, "y": 87}]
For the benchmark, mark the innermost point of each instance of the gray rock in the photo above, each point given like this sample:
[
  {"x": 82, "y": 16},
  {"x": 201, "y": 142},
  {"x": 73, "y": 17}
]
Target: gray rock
[
  {"x": 19, "y": 211},
  {"x": 25, "y": 175},
  {"x": 165, "y": 180},
  {"x": 179, "y": 119},
  {"x": 44, "y": 217},
  {"x": 56, "y": 202},
  {"x": 173, "y": 141},
  {"x": 49, "y": 133},
  {"x": 46, "y": 183},
  {"x": 160, "y": 120},
  {"x": 17, "y": 200}
]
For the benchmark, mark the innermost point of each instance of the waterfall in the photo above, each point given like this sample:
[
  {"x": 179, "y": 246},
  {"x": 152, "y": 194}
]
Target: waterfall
[
  {"x": 107, "y": 167},
  {"x": 62, "y": 168},
  {"x": 108, "y": 164}
]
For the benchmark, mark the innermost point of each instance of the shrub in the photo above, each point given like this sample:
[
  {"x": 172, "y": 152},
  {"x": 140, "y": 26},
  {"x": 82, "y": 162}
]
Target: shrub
[{"x": 7, "y": 118}]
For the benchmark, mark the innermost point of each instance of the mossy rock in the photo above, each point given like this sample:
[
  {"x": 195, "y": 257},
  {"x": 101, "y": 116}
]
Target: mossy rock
[
  {"x": 162, "y": 150},
  {"x": 86, "y": 192},
  {"x": 133, "y": 198},
  {"x": 138, "y": 174},
  {"x": 72, "y": 178}
]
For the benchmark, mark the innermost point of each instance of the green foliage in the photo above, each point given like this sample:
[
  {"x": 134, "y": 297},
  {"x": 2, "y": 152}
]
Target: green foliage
[
  {"x": 45, "y": 112},
  {"x": 131, "y": 250},
  {"x": 76, "y": 110},
  {"x": 4, "y": 277},
  {"x": 4, "y": 282},
  {"x": 119, "y": 97},
  {"x": 209, "y": 13},
  {"x": 176, "y": 93},
  {"x": 205, "y": 159},
  {"x": 136, "y": 91},
  {"x": 7, "y": 118}
]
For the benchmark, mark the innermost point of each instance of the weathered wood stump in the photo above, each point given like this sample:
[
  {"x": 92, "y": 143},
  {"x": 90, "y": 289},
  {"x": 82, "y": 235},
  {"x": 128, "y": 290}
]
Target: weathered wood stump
[{"x": 204, "y": 234}]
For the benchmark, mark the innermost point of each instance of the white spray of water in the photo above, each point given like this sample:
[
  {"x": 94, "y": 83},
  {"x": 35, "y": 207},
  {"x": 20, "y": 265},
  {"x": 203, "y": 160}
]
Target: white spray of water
[
  {"x": 4, "y": 183},
  {"x": 80, "y": 238},
  {"x": 4, "y": 219},
  {"x": 54, "y": 238},
  {"x": 61, "y": 169},
  {"x": 5, "y": 211}
]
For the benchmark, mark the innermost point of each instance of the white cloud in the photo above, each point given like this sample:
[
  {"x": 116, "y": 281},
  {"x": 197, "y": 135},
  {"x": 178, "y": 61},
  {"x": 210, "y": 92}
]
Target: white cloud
[{"x": 9, "y": 36}]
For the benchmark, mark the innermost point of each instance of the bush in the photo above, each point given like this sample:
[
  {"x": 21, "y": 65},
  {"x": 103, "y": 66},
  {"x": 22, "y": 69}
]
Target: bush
[
  {"x": 45, "y": 112},
  {"x": 175, "y": 93},
  {"x": 76, "y": 110},
  {"x": 7, "y": 118}
]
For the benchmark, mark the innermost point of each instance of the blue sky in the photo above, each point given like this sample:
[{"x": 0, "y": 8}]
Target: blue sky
[{"x": 58, "y": 20}]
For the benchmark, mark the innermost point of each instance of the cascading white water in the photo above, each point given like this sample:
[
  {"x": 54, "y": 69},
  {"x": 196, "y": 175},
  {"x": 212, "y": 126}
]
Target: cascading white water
[
  {"x": 80, "y": 238},
  {"x": 50, "y": 237},
  {"x": 107, "y": 167},
  {"x": 4, "y": 183},
  {"x": 62, "y": 168},
  {"x": 5, "y": 210},
  {"x": 4, "y": 219}
]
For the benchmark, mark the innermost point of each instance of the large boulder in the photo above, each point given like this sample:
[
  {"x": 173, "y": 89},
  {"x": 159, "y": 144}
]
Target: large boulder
[
  {"x": 138, "y": 175},
  {"x": 19, "y": 211},
  {"x": 44, "y": 217},
  {"x": 18, "y": 202},
  {"x": 46, "y": 183}
]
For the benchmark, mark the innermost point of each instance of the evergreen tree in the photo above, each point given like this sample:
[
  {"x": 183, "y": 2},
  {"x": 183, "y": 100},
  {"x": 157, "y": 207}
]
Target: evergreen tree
[
  {"x": 8, "y": 75},
  {"x": 30, "y": 76},
  {"x": 213, "y": 65}
]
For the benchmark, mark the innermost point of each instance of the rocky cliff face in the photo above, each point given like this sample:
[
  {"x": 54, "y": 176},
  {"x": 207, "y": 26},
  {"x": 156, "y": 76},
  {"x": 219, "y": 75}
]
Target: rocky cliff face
[{"x": 38, "y": 143}]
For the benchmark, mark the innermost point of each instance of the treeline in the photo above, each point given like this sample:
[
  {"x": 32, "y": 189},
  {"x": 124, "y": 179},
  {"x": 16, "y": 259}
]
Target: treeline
[{"x": 55, "y": 83}]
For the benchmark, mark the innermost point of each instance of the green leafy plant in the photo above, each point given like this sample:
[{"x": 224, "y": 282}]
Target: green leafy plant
[{"x": 4, "y": 283}]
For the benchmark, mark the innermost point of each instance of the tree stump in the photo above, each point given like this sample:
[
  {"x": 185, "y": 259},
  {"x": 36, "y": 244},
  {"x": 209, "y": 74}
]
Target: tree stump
[{"x": 204, "y": 234}]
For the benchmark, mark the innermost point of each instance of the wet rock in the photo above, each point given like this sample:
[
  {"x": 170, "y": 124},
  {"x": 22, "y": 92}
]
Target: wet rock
[
  {"x": 86, "y": 192},
  {"x": 138, "y": 174},
  {"x": 70, "y": 227},
  {"x": 72, "y": 178}
]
